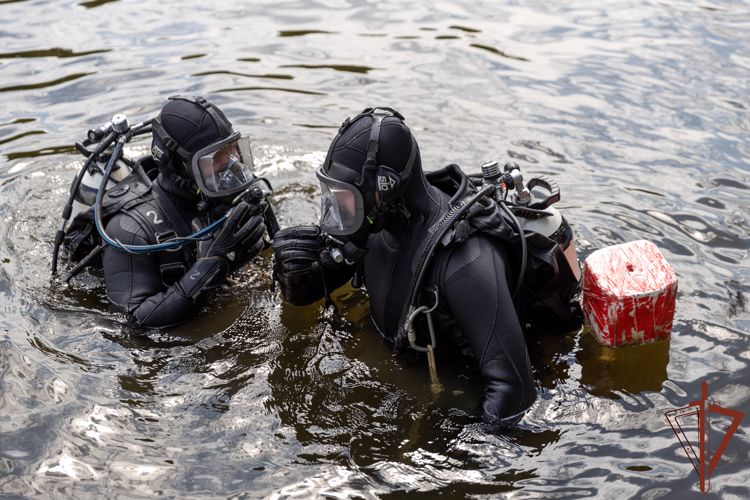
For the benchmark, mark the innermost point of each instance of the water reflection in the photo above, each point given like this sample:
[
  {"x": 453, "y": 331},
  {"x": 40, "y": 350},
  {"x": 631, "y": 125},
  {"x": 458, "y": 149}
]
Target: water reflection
[
  {"x": 247, "y": 75},
  {"x": 498, "y": 52},
  {"x": 41, "y": 85},
  {"x": 22, "y": 134},
  {"x": 635, "y": 369},
  {"x": 34, "y": 153},
  {"x": 53, "y": 52},
  {"x": 95, "y": 3},
  {"x": 294, "y": 33},
  {"x": 274, "y": 89},
  {"x": 347, "y": 68},
  {"x": 551, "y": 356}
]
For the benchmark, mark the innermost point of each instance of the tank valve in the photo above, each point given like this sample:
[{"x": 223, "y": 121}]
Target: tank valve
[
  {"x": 514, "y": 179},
  {"x": 492, "y": 175},
  {"x": 97, "y": 134},
  {"x": 120, "y": 123},
  {"x": 491, "y": 172}
]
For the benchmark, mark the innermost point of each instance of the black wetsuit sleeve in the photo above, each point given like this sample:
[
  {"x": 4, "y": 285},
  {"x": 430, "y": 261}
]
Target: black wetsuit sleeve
[
  {"x": 134, "y": 280},
  {"x": 475, "y": 286}
]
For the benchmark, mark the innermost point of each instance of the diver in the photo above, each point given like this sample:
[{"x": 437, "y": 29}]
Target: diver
[
  {"x": 191, "y": 184},
  {"x": 437, "y": 253}
]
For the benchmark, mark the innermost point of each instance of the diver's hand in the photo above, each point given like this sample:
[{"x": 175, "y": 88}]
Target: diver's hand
[
  {"x": 297, "y": 248},
  {"x": 303, "y": 274},
  {"x": 239, "y": 240}
]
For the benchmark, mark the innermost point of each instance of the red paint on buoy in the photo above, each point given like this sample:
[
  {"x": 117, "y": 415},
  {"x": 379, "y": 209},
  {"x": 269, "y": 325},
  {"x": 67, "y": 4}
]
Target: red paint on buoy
[{"x": 629, "y": 293}]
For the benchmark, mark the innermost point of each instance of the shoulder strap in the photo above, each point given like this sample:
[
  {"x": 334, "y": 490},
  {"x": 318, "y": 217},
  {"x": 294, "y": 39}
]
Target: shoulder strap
[
  {"x": 439, "y": 235},
  {"x": 151, "y": 217},
  {"x": 170, "y": 211}
]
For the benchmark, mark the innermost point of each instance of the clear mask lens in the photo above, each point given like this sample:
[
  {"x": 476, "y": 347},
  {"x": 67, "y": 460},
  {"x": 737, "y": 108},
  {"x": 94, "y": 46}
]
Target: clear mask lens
[
  {"x": 227, "y": 169},
  {"x": 341, "y": 210}
]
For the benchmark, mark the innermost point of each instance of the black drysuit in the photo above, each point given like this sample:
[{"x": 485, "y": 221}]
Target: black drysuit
[
  {"x": 475, "y": 304},
  {"x": 135, "y": 281}
]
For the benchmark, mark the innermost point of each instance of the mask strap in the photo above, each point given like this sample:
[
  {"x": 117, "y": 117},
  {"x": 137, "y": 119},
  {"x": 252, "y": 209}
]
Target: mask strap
[
  {"x": 168, "y": 141},
  {"x": 374, "y": 143},
  {"x": 388, "y": 110},
  {"x": 327, "y": 161},
  {"x": 173, "y": 148},
  {"x": 410, "y": 163}
]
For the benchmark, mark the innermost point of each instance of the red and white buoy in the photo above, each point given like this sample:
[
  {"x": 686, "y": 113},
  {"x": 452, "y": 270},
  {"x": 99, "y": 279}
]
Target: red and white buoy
[{"x": 629, "y": 293}]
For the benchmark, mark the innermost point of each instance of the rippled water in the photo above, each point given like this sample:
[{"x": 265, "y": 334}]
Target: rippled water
[{"x": 638, "y": 108}]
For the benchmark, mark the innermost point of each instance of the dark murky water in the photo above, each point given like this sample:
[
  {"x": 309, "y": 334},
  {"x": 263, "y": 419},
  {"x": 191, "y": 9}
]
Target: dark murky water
[{"x": 639, "y": 109}]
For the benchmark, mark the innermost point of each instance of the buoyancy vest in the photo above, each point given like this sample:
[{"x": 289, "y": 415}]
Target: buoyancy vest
[
  {"x": 155, "y": 214},
  {"x": 550, "y": 287}
]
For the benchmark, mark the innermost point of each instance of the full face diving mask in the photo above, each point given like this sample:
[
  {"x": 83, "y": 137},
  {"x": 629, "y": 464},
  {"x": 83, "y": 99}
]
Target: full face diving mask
[
  {"x": 348, "y": 199},
  {"x": 342, "y": 207},
  {"x": 223, "y": 168}
]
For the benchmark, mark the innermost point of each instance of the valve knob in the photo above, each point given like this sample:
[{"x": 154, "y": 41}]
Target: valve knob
[
  {"x": 120, "y": 123},
  {"x": 491, "y": 170}
]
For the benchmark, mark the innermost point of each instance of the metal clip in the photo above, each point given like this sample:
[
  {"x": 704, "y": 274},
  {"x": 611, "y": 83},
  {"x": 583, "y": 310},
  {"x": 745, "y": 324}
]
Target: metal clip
[
  {"x": 410, "y": 324},
  {"x": 435, "y": 384}
]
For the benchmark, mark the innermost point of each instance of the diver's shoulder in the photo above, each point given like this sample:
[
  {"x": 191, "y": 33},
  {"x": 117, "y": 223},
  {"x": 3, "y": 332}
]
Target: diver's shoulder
[{"x": 125, "y": 223}]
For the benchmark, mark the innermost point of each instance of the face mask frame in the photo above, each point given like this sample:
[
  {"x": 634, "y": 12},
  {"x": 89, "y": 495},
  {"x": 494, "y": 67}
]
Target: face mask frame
[
  {"x": 342, "y": 207},
  {"x": 208, "y": 176}
]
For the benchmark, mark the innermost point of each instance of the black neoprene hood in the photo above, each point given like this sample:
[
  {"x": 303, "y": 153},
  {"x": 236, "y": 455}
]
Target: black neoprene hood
[
  {"x": 350, "y": 148},
  {"x": 185, "y": 126}
]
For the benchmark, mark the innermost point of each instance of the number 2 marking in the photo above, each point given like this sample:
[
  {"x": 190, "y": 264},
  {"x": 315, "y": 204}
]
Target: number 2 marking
[{"x": 157, "y": 220}]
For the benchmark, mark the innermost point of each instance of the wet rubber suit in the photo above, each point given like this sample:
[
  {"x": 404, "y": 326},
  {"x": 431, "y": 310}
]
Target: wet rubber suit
[
  {"x": 475, "y": 305},
  {"x": 134, "y": 281},
  {"x": 138, "y": 282}
]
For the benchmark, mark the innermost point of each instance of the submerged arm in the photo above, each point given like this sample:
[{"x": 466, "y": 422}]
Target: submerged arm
[
  {"x": 475, "y": 286},
  {"x": 134, "y": 280}
]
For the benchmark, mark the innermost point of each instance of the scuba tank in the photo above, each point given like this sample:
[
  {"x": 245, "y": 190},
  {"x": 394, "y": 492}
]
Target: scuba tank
[
  {"x": 553, "y": 227},
  {"x": 88, "y": 181},
  {"x": 92, "y": 180},
  {"x": 85, "y": 195},
  {"x": 531, "y": 204}
]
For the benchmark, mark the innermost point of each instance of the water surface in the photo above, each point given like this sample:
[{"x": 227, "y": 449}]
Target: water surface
[{"x": 639, "y": 109}]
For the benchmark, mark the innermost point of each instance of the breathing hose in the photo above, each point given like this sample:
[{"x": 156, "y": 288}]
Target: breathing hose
[
  {"x": 522, "y": 236},
  {"x": 74, "y": 187},
  {"x": 138, "y": 249}
]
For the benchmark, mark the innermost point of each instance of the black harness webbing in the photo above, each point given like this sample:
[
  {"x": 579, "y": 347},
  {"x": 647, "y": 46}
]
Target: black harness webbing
[
  {"x": 438, "y": 233},
  {"x": 173, "y": 264}
]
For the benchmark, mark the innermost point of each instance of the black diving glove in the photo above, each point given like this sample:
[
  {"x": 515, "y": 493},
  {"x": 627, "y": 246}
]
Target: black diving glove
[
  {"x": 302, "y": 268},
  {"x": 239, "y": 240},
  {"x": 206, "y": 274}
]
